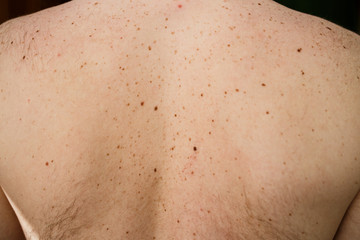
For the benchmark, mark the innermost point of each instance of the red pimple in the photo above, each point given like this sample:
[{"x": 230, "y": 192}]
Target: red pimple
[{"x": 179, "y": 6}]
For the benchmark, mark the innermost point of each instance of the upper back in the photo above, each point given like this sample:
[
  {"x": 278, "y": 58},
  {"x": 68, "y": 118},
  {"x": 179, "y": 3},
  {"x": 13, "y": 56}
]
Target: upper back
[{"x": 164, "y": 119}]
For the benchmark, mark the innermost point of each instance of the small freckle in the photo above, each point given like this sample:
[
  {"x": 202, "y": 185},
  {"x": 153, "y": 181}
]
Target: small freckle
[
  {"x": 47, "y": 163},
  {"x": 290, "y": 214},
  {"x": 178, "y": 221},
  {"x": 267, "y": 112},
  {"x": 270, "y": 219},
  {"x": 142, "y": 103},
  {"x": 302, "y": 72},
  {"x": 263, "y": 84},
  {"x": 299, "y": 49},
  {"x": 149, "y": 48},
  {"x": 237, "y": 90}
]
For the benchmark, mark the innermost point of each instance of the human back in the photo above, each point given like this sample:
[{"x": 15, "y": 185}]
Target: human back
[{"x": 179, "y": 120}]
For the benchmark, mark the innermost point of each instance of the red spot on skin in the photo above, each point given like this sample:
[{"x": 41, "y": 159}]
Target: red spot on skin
[
  {"x": 179, "y": 6},
  {"x": 47, "y": 163},
  {"x": 59, "y": 55}
]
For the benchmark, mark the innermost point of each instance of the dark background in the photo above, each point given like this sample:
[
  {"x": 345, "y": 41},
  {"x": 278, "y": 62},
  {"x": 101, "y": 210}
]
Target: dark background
[{"x": 345, "y": 13}]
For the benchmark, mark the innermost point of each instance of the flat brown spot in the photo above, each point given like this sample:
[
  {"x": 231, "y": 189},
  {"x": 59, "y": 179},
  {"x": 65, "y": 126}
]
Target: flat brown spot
[
  {"x": 155, "y": 170},
  {"x": 96, "y": 3},
  {"x": 155, "y": 108},
  {"x": 259, "y": 4},
  {"x": 149, "y": 48},
  {"x": 178, "y": 221},
  {"x": 267, "y": 112},
  {"x": 237, "y": 90},
  {"x": 263, "y": 84},
  {"x": 302, "y": 72},
  {"x": 195, "y": 148},
  {"x": 142, "y": 103},
  {"x": 23, "y": 57},
  {"x": 290, "y": 214},
  {"x": 299, "y": 49},
  {"x": 47, "y": 163},
  {"x": 270, "y": 219}
]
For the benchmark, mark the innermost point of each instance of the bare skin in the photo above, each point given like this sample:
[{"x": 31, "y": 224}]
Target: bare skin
[{"x": 179, "y": 120}]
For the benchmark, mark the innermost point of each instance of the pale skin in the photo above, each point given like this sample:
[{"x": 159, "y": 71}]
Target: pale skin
[{"x": 179, "y": 120}]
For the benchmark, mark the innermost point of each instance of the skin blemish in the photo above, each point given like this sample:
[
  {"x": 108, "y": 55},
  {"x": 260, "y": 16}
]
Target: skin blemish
[
  {"x": 23, "y": 57},
  {"x": 263, "y": 84},
  {"x": 142, "y": 103},
  {"x": 302, "y": 72},
  {"x": 155, "y": 170},
  {"x": 267, "y": 112},
  {"x": 149, "y": 48},
  {"x": 179, "y": 6},
  {"x": 155, "y": 108},
  {"x": 47, "y": 163},
  {"x": 299, "y": 49},
  {"x": 195, "y": 148}
]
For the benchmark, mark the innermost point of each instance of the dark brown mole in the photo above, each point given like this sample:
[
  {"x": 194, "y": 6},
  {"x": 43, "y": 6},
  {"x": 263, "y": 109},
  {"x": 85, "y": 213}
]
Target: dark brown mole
[
  {"x": 155, "y": 170},
  {"x": 155, "y": 108},
  {"x": 195, "y": 148},
  {"x": 23, "y": 57},
  {"x": 299, "y": 49},
  {"x": 263, "y": 84},
  {"x": 149, "y": 48},
  {"x": 142, "y": 103},
  {"x": 47, "y": 163}
]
